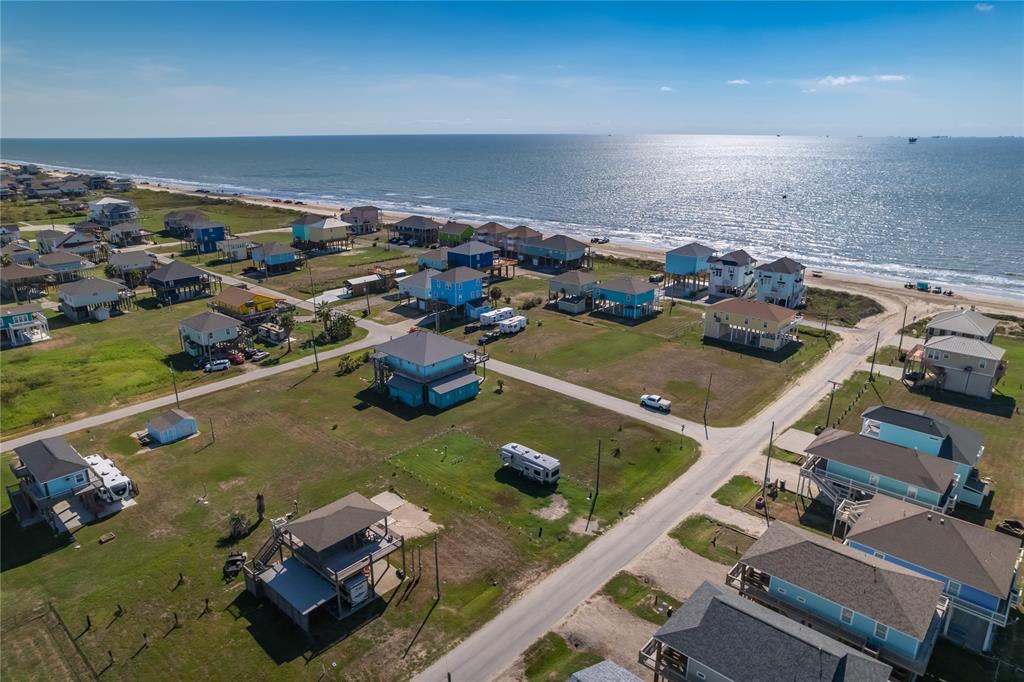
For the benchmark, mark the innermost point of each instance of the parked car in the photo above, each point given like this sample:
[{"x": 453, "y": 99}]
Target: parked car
[
  {"x": 260, "y": 355},
  {"x": 656, "y": 402},
  {"x": 1012, "y": 527},
  {"x": 817, "y": 273},
  {"x": 248, "y": 352},
  {"x": 488, "y": 337},
  {"x": 471, "y": 327},
  {"x": 654, "y": 279},
  {"x": 236, "y": 358},
  {"x": 216, "y": 366}
]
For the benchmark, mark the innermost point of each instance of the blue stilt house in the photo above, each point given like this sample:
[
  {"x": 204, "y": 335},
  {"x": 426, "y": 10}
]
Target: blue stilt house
[
  {"x": 630, "y": 297},
  {"x": 472, "y": 254},
  {"x": 457, "y": 286},
  {"x": 423, "y": 368},
  {"x": 687, "y": 267},
  {"x": 206, "y": 234}
]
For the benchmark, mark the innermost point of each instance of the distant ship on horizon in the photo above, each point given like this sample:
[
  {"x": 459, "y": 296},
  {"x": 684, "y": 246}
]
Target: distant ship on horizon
[{"x": 911, "y": 140}]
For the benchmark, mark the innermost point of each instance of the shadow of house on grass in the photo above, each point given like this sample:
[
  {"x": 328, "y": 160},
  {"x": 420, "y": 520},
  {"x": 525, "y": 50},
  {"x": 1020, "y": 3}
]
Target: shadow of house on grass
[
  {"x": 779, "y": 356},
  {"x": 507, "y": 476},
  {"x": 20, "y": 546},
  {"x": 999, "y": 405},
  {"x": 285, "y": 642},
  {"x": 370, "y": 397}
]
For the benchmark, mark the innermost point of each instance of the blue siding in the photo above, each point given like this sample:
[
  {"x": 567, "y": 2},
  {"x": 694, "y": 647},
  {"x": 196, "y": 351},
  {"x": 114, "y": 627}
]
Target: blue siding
[
  {"x": 909, "y": 438},
  {"x": 967, "y": 593},
  {"x": 182, "y": 429},
  {"x": 476, "y": 261},
  {"x": 426, "y": 371},
  {"x": 410, "y": 398},
  {"x": 885, "y": 484},
  {"x": 63, "y": 484},
  {"x": 425, "y": 262},
  {"x": 444, "y": 400},
  {"x": 685, "y": 265},
  {"x": 206, "y": 238},
  {"x": 623, "y": 298},
  {"x": 458, "y": 293}
]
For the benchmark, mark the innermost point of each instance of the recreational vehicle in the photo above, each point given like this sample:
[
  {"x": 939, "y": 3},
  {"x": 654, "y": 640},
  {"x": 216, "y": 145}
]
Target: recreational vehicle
[
  {"x": 530, "y": 464},
  {"x": 493, "y": 317},
  {"x": 512, "y": 325},
  {"x": 116, "y": 486}
]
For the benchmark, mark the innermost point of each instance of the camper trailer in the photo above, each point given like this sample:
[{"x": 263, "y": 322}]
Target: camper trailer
[
  {"x": 115, "y": 485},
  {"x": 530, "y": 464},
  {"x": 356, "y": 589},
  {"x": 493, "y": 317},
  {"x": 512, "y": 325}
]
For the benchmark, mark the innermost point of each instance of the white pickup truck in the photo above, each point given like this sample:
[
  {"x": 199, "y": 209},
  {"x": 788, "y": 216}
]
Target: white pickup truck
[{"x": 655, "y": 402}]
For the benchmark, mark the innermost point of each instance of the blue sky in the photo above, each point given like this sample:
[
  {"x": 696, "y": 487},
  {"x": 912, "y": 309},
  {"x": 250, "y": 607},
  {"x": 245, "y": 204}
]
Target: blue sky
[{"x": 183, "y": 69}]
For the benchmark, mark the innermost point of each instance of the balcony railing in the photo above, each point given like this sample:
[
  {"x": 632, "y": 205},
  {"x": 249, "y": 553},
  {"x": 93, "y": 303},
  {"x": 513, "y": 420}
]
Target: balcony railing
[{"x": 672, "y": 665}]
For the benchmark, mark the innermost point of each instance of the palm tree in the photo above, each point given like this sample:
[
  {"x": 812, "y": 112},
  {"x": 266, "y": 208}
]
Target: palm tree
[{"x": 288, "y": 324}]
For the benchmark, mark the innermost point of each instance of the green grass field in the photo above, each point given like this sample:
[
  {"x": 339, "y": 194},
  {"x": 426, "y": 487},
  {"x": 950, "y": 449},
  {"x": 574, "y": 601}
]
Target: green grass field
[
  {"x": 665, "y": 355},
  {"x": 239, "y": 217},
  {"x": 839, "y": 307},
  {"x": 711, "y": 539},
  {"x": 551, "y": 659},
  {"x": 637, "y": 597},
  {"x": 314, "y": 438}
]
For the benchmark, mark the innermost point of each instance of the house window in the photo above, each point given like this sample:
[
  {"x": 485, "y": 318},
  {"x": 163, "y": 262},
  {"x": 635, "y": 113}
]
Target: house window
[
  {"x": 912, "y": 492},
  {"x": 873, "y": 479},
  {"x": 846, "y": 616},
  {"x": 801, "y": 600},
  {"x": 953, "y": 589},
  {"x": 80, "y": 478},
  {"x": 880, "y": 555},
  {"x": 701, "y": 676},
  {"x": 945, "y": 356},
  {"x": 881, "y": 631},
  {"x": 780, "y": 590},
  {"x": 981, "y": 364}
]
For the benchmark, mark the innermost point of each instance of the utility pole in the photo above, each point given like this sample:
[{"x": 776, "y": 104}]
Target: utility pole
[
  {"x": 764, "y": 485},
  {"x": 597, "y": 481},
  {"x": 437, "y": 570},
  {"x": 831, "y": 397},
  {"x": 899, "y": 349},
  {"x": 213, "y": 435},
  {"x": 871, "y": 374},
  {"x": 707, "y": 398},
  {"x": 316, "y": 357},
  {"x": 367, "y": 302},
  {"x": 174, "y": 380}
]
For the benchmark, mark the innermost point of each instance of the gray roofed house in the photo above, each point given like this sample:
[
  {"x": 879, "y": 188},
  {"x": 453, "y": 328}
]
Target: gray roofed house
[
  {"x": 323, "y": 528},
  {"x": 958, "y": 443},
  {"x": 784, "y": 265},
  {"x": 50, "y": 459},
  {"x": 605, "y": 671},
  {"x": 573, "y": 278},
  {"x": 169, "y": 419},
  {"x": 419, "y": 222},
  {"x": 176, "y": 271},
  {"x": 724, "y": 636},
  {"x": 92, "y": 287},
  {"x": 472, "y": 248},
  {"x": 133, "y": 260},
  {"x": 179, "y": 281},
  {"x": 969, "y": 323},
  {"x": 209, "y": 321},
  {"x": 629, "y": 285},
  {"x": 58, "y": 258},
  {"x": 424, "y": 348},
  {"x": 884, "y": 592},
  {"x": 93, "y": 299},
  {"x": 737, "y": 257},
  {"x": 459, "y": 274},
  {"x": 975, "y": 348},
  {"x": 693, "y": 249}
]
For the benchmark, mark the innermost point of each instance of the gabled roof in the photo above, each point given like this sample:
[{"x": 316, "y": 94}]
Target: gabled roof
[
  {"x": 885, "y": 459},
  {"x": 887, "y": 593},
  {"x": 206, "y": 224},
  {"x": 125, "y": 227},
  {"x": 111, "y": 201},
  {"x": 727, "y": 632},
  {"x": 274, "y": 248},
  {"x": 92, "y": 287},
  {"x": 174, "y": 271},
  {"x": 16, "y": 247},
  {"x": 961, "y": 443},
  {"x": 424, "y": 348},
  {"x": 963, "y": 322},
  {"x": 976, "y": 348},
  {"x": 756, "y": 309},
  {"x": 783, "y": 265},
  {"x": 237, "y": 296},
  {"x": 327, "y": 223},
  {"x": 325, "y": 527},
  {"x": 421, "y": 279},
  {"x": 964, "y": 551},
  {"x": 56, "y": 235},
  {"x": 693, "y": 249},
  {"x": 737, "y": 257},
  {"x": 459, "y": 275},
  {"x": 50, "y": 458},
  {"x": 472, "y": 248},
  {"x": 522, "y": 232},
  {"x": 76, "y": 239},
  {"x": 419, "y": 222},
  {"x": 455, "y": 227},
  {"x": 628, "y": 285},
  {"x": 208, "y": 321},
  {"x": 168, "y": 420},
  {"x": 307, "y": 219},
  {"x": 575, "y": 278},
  {"x": 61, "y": 258},
  {"x": 491, "y": 228},
  {"x": 605, "y": 671}
]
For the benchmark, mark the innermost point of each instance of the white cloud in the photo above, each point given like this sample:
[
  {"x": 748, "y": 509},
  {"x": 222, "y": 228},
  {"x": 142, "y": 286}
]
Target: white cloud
[
  {"x": 738, "y": 81},
  {"x": 839, "y": 81},
  {"x": 809, "y": 90},
  {"x": 984, "y": 7},
  {"x": 665, "y": 88},
  {"x": 888, "y": 77}
]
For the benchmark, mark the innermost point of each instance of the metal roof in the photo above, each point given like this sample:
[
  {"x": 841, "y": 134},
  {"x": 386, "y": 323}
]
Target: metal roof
[
  {"x": 424, "y": 348},
  {"x": 50, "y": 458},
  {"x": 887, "y": 593},
  {"x": 325, "y": 527},
  {"x": 747, "y": 642},
  {"x": 964, "y": 551},
  {"x": 963, "y": 322},
  {"x": 755, "y": 309},
  {"x": 975, "y": 348},
  {"x": 454, "y": 381}
]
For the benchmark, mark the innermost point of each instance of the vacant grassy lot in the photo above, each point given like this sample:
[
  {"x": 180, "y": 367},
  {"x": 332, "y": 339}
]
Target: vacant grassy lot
[
  {"x": 737, "y": 492},
  {"x": 313, "y": 438},
  {"x": 711, "y": 539},
  {"x": 839, "y": 307},
  {"x": 997, "y": 419},
  {"x": 637, "y": 597},
  {"x": 551, "y": 659},
  {"x": 665, "y": 355},
  {"x": 40, "y": 213},
  {"x": 238, "y": 216}
]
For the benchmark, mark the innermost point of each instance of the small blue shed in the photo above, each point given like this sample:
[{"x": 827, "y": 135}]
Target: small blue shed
[{"x": 171, "y": 425}]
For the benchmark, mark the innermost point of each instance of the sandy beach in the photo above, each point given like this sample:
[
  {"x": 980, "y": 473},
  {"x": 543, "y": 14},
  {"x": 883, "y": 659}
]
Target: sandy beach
[{"x": 875, "y": 287}]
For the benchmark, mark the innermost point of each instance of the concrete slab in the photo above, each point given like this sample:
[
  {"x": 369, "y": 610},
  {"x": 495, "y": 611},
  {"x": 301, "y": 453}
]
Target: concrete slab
[
  {"x": 748, "y": 523},
  {"x": 389, "y": 500},
  {"x": 795, "y": 440},
  {"x": 410, "y": 521}
]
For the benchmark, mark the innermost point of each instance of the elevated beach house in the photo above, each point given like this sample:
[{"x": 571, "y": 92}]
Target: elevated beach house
[
  {"x": 457, "y": 286},
  {"x": 968, "y": 323},
  {"x": 179, "y": 223},
  {"x": 170, "y": 426},
  {"x": 751, "y": 323},
  {"x": 337, "y": 555},
  {"x": 82, "y": 244},
  {"x": 25, "y": 282},
  {"x": 688, "y": 269},
  {"x": 246, "y": 305},
  {"x": 110, "y": 211},
  {"x": 434, "y": 259},
  {"x": 930, "y": 434},
  {"x": 472, "y": 254},
  {"x": 978, "y": 567},
  {"x": 849, "y": 467},
  {"x": 417, "y": 229},
  {"x": 513, "y": 239},
  {"x": 491, "y": 233},
  {"x": 127, "y": 234},
  {"x": 208, "y": 334},
  {"x": 731, "y": 274},
  {"x": 66, "y": 266},
  {"x": 47, "y": 240},
  {"x": 94, "y": 299},
  {"x": 960, "y": 364},
  {"x": 320, "y": 233},
  {"x": 417, "y": 287},
  {"x": 204, "y": 235},
  {"x": 274, "y": 258},
  {"x": 234, "y": 249},
  {"x": 19, "y": 253},
  {"x": 719, "y": 635},
  {"x": 10, "y": 232},
  {"x": 558, "y": 252},
  {"x": 423, "y": 368},
  {"x": 178, "y": 281},
  {"x": 23, "y": 324},
  {"x": 363, "y": 219},
  {"x": 781, "y": 282},
  {"x": 867, "y": 603},
  {"x": 574, "y": 290},
  {"x": 632, "y": 298},
  {"x": 141, "y": 262},
  {"x": 453, "y": 233}
]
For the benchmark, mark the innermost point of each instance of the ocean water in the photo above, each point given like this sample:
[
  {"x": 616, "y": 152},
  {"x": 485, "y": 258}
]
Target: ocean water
[{"x": 947, "y": 210}]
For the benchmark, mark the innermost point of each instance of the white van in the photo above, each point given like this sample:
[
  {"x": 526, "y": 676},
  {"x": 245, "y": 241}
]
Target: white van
[
  {"x": 513, "y": 325},
  {"x": 493, "y": 317}
]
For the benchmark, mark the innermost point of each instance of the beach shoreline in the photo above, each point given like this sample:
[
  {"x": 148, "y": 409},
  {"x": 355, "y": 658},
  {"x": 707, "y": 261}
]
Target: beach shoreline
[{"x": 840, "y": 280}]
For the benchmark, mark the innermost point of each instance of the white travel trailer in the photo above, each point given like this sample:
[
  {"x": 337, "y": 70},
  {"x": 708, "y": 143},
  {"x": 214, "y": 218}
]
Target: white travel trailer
[
  {"x": 493, "y": 317},
  {"x": 115, "y": 485},
  {"x": 512, "y": 325},
  {"x": 531, "y": 464}
]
